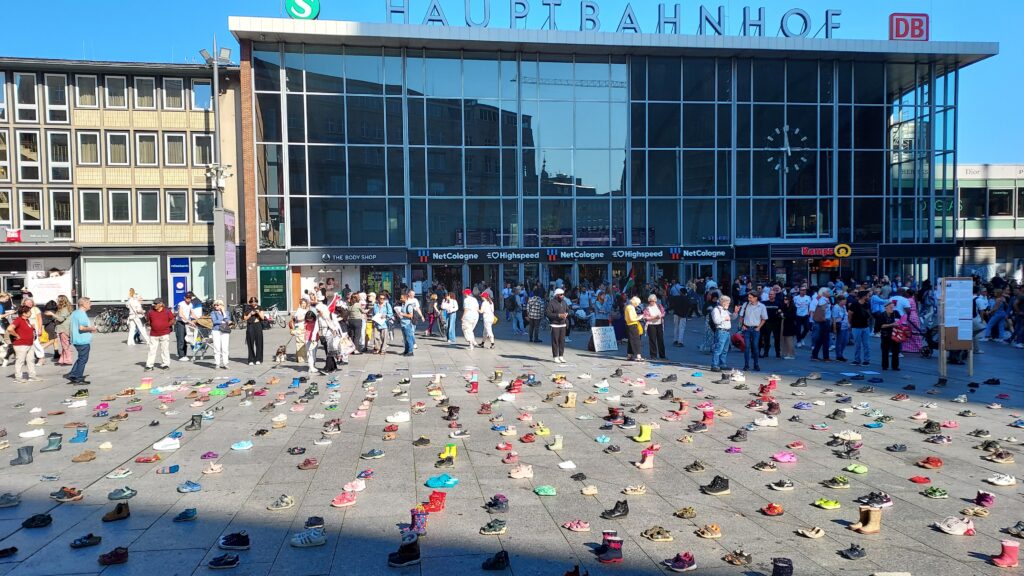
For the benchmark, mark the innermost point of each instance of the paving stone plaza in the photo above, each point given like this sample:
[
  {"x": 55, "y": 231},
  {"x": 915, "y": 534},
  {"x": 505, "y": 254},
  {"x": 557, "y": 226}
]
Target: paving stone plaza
[{"x": 359, "y": 537}]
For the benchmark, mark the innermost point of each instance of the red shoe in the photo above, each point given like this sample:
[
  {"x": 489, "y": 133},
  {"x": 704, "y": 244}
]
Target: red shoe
[
  {"x": 510, "y": 458},
  {"x": 931, "y": 462},
  {"x": 391, "y": 428},
  {"x": 528, "y": 438},
  {"x": 772, "y": 509},
  {"x": 504, "y": 446},
  {"x": 798, "y": 445},
  {"x": 148, "y": 459},
  {"x": 921, "y": 480},
  {"x": 436, "y": 502}
]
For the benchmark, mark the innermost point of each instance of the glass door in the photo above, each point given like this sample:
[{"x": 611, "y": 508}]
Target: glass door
[
  {"x": 448, "y": 277},
  {"x": 485, "y": 273}
]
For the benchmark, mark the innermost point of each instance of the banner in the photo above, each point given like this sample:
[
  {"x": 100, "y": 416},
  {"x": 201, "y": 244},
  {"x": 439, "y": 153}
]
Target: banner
[
  {"x": 604, "y": 339},
  {"x": 45, "y": 286}
]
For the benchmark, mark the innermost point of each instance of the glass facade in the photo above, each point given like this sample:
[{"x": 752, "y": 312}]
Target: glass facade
[{"x": 406, "y": 148}]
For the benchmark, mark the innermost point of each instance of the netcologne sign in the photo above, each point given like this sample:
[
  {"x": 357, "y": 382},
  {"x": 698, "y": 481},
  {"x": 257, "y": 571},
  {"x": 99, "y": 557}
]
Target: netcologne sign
[
  {"x": 700, "y": 19},
  {"x": 565, "y": 255}
]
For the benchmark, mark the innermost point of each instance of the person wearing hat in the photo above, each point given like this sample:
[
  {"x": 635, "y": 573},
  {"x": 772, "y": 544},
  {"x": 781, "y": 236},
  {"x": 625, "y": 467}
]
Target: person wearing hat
[
  {"x": 161, "y": 322},
  {"x": 488, "y": 317},
  {"x": 890, "y": 349},
  {"x": 557, "y": 312},
  {"x": 470, "y": 317}
]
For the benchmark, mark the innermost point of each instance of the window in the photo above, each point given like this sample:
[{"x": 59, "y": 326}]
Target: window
[
  {"x": 59, "y": 156},
  {"x": 26, "y": 109},
  {"x": 85, "y": 90},
  {"x": 88, "y": 148},
  {"x": 204, "y": 206},
  {"x": 149, "y": 206},
  {"x": 202, "y": 149},
  {"x": 202, "y": 95},
  {"x": 145, "y": 150},
  {"x": 5, "y": 158},
  {"x": 61, "y": 214},
  {"x": 1000, "y": 202},
  {"x": 90, "y": 205},
  {"x": 177, "y": 206},
  {"x": 972, "y": 203},
  {"x": 145, "y": 93},
  {"x": 5, "y": 208},
  {"x": 3, "y": 97},
  {"x": 120, "y": 206},
  {"x": 28, "y": 156},
  {"x": 174, "y": 150},
  {"x": 57, "y": 98},
  {"x": 31, "y": 209},
  {"x": 117, "y": 91},
  {"x": 174, "y": 98},
  {"x": 117, "y": 149}
]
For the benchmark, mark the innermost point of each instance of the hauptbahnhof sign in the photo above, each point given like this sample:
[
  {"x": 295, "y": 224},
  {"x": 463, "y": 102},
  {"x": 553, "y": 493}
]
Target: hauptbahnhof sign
[{"x": 710, "y": 20}]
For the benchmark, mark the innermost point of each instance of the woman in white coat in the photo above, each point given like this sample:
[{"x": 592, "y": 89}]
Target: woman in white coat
[
  {"x": 487, "y": 315},
  {"x": 470, "y": 316}
]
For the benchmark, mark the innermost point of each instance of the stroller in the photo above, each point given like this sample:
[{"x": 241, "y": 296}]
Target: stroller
[
  {"x": 929, "y": 337},
  {"x": 199, "y": 337}
]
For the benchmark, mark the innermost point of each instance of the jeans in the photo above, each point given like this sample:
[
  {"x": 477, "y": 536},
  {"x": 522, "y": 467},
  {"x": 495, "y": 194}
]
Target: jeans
[
  {"x": 821, "y": 340},
  {"x": 179, "y": 335},
  {"x": 751, "y": 336},
  {"x": 861, "y": 351},
  {"x": 409, "y": 331},
  {"x": 517, "y": 322},
  {"x": 720, "y": 349},
  {"x": 997, "y": 321},
  {"x": 159, "y": 344},
  {"x": 557, "y": 341},
  {"x": 78, "y": 370},
  {"x": 680, "y": 330},
  {"x": 534, "y": 330},
  {"x": 451, "y": 328},
  {"x": 842, "y": 337},
  {"x": 803, "y": 326}
]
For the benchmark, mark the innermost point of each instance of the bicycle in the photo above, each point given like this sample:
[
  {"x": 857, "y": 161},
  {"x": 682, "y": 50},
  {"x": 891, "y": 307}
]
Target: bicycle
[{"x": 278, "y": 318}]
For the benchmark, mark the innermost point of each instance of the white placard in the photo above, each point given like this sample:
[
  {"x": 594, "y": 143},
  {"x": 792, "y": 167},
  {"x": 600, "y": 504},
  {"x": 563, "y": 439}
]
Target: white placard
[
  {"x": 604, "y": 339},
  {"x": 965, "y": 330}
]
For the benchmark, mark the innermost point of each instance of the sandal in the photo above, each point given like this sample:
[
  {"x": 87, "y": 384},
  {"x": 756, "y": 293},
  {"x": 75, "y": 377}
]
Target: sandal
[
  {"x": 738, "y": 558},
  {"x": 590, "y": 490},
  {"x": 686, "y": 513},
  {"x": 657, "y": 534},
  {"x": 635, "y": 490},
  {"x": 812, "y": 533},
  {"x": 577, "y": 526},
  {"x": 710, "y": 531},
  {"x": 283, "y": 502},
  {"x": 976, "y": 511}
]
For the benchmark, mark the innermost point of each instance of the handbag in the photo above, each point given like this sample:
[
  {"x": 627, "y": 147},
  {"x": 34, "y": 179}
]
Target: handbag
[
  {"x": 495, "y": 319},
  {"x": 900, "y": 333},
  {"x": 225, "y": 328}
]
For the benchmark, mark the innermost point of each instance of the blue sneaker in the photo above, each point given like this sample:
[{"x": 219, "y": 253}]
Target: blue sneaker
[
  {"x": 243, "y": 445},
  {"x": 697, "y": 374},
  {"x": 187, "y": 515},
  {"x": 845, "y": 400},
  {"x": 442, "y": 481},
  {"x": 373, "y": 454},
  {"x": 175, "y": 434},
  {"x": 333, "y": 385},
  {"x": 873, "y": 425},
  {"x": 234, "y": 381},
  {"x": 602, "y": 439},
  {"x": 499, "y": 428},
  {"x": 602, "y": 390},
  {"x": 294, "y": 384},
  {"x": 189, "y": 486}
]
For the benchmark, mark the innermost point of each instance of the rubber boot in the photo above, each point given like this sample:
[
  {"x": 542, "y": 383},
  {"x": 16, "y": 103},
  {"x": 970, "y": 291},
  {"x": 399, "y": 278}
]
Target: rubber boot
[
  {"x": 644, "y": 435},
  {"x": 709, "y": 417},
  {"x": 81, "y": 435},
  {"x": 53, "y": 442},
  {"x": 295, "y": 383},
  {"x": 863, "y": 519},
  {"x": 684, "y": 407},
  {"x": 605, "y": 536},
  {"x": 570, "y": 400},
  {"x": 1008, "y": 558},
  {"x": 453, "y": 414},
  {"x": 496, "y": 377},
  {"x": 874, "y": 522},
  {"x": 196, "y": 424},
  {"x": 474, "y": 388},
  {"x": 613, "y": 555},
  {"x": 449, "y": 451},
  {"x": 408, "y": 553},
  {"x": 646, "y": 460},
  {"x": 436, "y": 502},
  {"x": 557, "y": 444},
  {"x": 418, "y": 521},
  {"x": 782, "y": 567},
  {"x": 24, "y": 456},
  {"x": 515, "y": 387}
]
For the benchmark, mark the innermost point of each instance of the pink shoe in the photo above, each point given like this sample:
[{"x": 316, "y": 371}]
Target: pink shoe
[
  {"x": 672, "y": 417},
  {"x": 524, "y": 417},
  {"x": 577, "y": 526},
  {"x": 733, "y": 450},
  {"x": 197, "y": 404},
  {"x": 210, "y": 456},
  {"x": 135, "y": 408},
  {"x": 705, "y": 406},
  {"x": 950, "y": 424},
  {"x": 260, "y": 392},
  {"x": 985, "y": 499},
  {"x": 357, "y": 485},
  {"x": 359, "y": 414},
  {"x": 785, "y": 457},
  {"x": 101, "y": 406},
  {"x": 511, "y": 458},
  {"x": 919, "y": 415},
  {"x": 298, "y": 408},
  {"x": 344, "y": 499},
  {"x": 505, "y": 446},
  {"x": 639, "y": 383}
]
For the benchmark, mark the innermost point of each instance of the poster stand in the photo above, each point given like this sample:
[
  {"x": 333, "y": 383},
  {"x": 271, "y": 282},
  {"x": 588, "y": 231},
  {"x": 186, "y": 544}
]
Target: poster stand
[{"x": 956, "y": 321}]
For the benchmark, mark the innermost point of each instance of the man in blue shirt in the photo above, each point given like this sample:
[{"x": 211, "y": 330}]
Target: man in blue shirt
[
  {"x": 406, "y": 312},
  {"x": 81, "y": 339}
]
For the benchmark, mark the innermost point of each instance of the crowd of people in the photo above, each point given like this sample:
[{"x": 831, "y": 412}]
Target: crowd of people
[{"x": 32, "y": 334}]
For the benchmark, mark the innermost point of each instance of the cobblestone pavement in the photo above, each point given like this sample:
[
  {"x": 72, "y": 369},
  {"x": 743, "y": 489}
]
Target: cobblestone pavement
[{"x": 359, "y": 537}]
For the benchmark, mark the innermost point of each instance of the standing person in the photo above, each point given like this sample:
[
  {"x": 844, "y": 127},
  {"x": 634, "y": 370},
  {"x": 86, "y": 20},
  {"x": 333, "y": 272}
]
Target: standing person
[
  {"x": 221, "y": 334},
  {"x": 859, "y": 313},
  {"x": 450, "y": 307},
  {"x": 753, "y": 316},
  {"x": 634, "y": 346},
  {"x": 183, "y": 319},
  {"x": 821, "y": 314},
  {"x": 253, "y": 318},
  {"x": 679, "y": 303},
  {"x": 488, "y": 317},
  {"x": 802, "y": 302},
  {"x": 790, "y": 328},
  {"x": 406, "y": 313},
  {"x": 517, "y": 311},
  {"x": 433, "y": 313},
  {"x": 721, "y": 321},
  {"x": 773, "y": 327},
  {"x": 890, "y": 349},
  {"x": 602, "y": 309},
  {"x": 557, "y": 313},
  {"x": 840, "y": 326},
  {"x": 22, "y": 335},
  {"x": 36, "y": 320},
  {"x": 296, "y": 324},
  {"x": 1018, "y": 320},
  {"x": 997, "y": 315},
  {"x": 534, "y": 314},
  {"x": 877, "y": 307},
  {"x": 63, "y": 316},
  {"x": 48, "y": 337},
  {"x": 654, "y": 321},
  {"x": 506, "y": 296},
  {"x": 81, "y": 338},
  {"x": 357, "y": 322},
  {"x": 470, "y": 317},
  {"x": 161, "y": 322},
  {"x": 311, "y": 335},
  {"x": 135, "y": 314},
  {"x": 382, "y": 312}
]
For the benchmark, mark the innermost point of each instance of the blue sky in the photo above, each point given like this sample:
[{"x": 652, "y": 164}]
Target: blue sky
[{"x": 173, "y": 31}]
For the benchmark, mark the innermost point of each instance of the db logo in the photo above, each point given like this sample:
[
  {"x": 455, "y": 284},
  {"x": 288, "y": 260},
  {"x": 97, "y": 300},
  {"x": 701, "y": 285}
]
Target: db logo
[
  {"x": 843, "y": 250},
  {"x": 908, "y": 27}
]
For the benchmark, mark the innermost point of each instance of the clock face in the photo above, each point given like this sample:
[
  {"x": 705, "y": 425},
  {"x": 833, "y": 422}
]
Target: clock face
[{"x": 787, "y": 147}]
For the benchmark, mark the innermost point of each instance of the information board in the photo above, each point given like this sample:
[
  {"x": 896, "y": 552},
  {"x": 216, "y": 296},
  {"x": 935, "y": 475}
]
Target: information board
[
  {"x": 604, "y": 339},
  {"x": 957, "y": 313}
]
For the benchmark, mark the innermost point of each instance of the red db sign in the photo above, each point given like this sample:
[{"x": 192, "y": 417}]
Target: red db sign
[{"x": 908, "y": 27}]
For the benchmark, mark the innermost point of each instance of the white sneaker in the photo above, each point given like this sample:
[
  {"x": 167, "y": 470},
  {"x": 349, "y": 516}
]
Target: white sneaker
[
  {"x": 614, "y": 398},
  {"x": 567, "y": 465},
  {"x": 279, "y": 418},
  {"x": 584, "y": 376},
  {"x": 184, "y": 359},
  {"x": 167, "y": 444},
  {"x": 258, "y": 363},
  {"x": 651, "y": 392},
  {"x": 397, "y": 417},
  {"x": 322, "y": 441},
  {"x": 768, "y": 421},
  {"x": 32, "y": 433},
  {"x": 1002, "y": 480}
]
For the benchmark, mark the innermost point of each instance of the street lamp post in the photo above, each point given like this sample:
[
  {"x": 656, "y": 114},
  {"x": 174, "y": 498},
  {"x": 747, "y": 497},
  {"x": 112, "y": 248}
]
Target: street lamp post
[{"x": 224, "y": 251}]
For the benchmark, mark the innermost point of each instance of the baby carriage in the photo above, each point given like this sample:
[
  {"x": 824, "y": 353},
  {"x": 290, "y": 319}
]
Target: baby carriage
[
  {"x": 929, "y": 337},
  {"x": 199, "y": 338}
]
